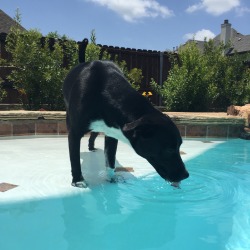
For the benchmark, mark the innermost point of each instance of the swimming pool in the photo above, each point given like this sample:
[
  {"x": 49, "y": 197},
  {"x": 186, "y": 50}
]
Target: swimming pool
[{"x": 210, "y": 211}]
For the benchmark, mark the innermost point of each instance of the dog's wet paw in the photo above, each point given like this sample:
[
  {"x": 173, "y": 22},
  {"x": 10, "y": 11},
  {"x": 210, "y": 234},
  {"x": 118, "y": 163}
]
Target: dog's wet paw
[
  {"x": 116, "y": 179},
  {"x": 110, "y": 174},
  {"x": 113, "y": 179},
  {"x": 80, "y": 184},
  {"x": 93, "y": 149}
]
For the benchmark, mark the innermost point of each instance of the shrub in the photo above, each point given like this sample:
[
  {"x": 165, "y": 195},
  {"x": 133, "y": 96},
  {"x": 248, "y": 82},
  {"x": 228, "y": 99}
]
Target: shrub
[
  {"x": 2, "y": 91},
  {"x": 41, "y": 65},
  {"x": 40, "y": 68},
  {"x": 202, "y": 81}
]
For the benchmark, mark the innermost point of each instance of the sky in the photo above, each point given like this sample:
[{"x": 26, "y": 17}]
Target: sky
[{"x": 141, "y": 24}]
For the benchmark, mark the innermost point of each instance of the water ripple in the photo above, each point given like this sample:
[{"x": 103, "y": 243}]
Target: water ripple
[{"x": 206, "y": 191}]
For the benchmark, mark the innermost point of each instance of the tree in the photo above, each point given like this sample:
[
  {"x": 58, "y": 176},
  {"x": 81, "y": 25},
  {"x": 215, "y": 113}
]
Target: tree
[
  {"x": 41, "y": 65},
  {"x": 93, "y": 51},
  {"x": 201, "y": 81},
  {"x": 228, "y": 75},
  {"x": 2, "y": 91}
]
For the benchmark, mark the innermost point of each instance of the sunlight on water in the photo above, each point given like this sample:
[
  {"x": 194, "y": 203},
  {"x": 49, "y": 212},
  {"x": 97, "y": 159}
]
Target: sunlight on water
[{"x": 211, "y": 211}]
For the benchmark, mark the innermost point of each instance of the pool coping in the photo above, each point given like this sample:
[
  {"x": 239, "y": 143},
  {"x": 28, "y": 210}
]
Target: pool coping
[{"x": 190, "y": 124}]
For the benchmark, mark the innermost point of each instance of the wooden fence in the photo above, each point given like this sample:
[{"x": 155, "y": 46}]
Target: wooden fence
[{"x": 154, "y": 64}]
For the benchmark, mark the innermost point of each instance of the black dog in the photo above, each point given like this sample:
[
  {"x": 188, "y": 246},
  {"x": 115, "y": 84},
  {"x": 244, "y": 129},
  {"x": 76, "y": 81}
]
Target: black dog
[{"x": 99, "y": 98}]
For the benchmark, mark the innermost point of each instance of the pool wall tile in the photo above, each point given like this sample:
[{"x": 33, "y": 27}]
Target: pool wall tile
[
  {"x": 6, "y": 129},
  {"x": 182, "y": 129},
  {"x": 217, "y": 131},
  {"x": 196, "y": 131},
  {"x": 46, "y": 128},
  {"x": 234, "y": 131},
  {"x": 24, "y": 128},
  {"x": 62, "y": 128},
  {"x": 54, "y": 123}
]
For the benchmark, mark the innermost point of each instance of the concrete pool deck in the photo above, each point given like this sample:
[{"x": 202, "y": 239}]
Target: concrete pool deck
[{"x": 20, "y": 122}]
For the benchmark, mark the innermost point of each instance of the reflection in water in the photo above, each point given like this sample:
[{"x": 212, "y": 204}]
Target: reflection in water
[
  {"x": 115, "y": 216},
  {"x": 111, "y": 218}
]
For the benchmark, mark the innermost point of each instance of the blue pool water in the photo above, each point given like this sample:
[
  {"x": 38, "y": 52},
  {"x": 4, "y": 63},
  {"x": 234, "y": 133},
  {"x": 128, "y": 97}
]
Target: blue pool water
[{"x": 211, "y": 211}]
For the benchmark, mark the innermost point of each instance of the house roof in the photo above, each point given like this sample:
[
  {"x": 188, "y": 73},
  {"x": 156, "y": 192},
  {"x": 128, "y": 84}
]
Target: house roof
[
  {"x": 240, "y": 43},
  {"x": 6, "y": 22}
]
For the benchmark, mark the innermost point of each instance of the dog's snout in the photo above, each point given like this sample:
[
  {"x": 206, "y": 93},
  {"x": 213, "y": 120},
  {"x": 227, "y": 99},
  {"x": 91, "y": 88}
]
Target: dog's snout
[{"x": 185, "y": 175}]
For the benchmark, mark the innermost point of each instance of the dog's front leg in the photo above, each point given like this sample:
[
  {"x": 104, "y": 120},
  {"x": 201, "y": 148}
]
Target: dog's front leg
[
  {"x": 110, "y": 152},
  {"x": 74, "y": 151}
]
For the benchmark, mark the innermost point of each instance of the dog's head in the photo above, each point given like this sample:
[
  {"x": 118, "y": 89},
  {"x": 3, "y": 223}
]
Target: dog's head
[{"x": 157, "y": 139}]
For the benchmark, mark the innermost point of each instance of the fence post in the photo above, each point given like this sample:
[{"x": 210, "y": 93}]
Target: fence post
[{"x": 160, "y": 78}]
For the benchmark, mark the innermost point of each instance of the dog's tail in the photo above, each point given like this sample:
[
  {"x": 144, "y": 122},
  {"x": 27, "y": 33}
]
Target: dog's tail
[{"x": 82, "y": 49}]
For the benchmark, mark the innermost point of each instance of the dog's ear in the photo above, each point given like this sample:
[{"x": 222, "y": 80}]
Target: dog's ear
[
  {"x": 146, "y": 121},
  {"x": 139, "y": 131},
  {"x": 132, "y": 125},
  {"x": 143, "y": 127}
]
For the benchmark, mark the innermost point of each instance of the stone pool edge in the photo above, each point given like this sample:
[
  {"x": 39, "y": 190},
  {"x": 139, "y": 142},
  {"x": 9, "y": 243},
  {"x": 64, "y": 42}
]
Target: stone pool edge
[{"x": 23, "y": 123}]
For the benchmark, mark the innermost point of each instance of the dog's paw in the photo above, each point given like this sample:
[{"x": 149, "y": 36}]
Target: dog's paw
[
  {"x": 111, "y": 176},
  {"x": 117, "y": 179},
  {"x": 93, "y": 149},
  {"x": 80, "y": 184},
  {"x": 113, "y": 180}
]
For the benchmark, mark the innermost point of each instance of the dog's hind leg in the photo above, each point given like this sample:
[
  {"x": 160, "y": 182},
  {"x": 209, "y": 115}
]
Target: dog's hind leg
[
  {"x": 110, "y": 147},
  {"x": 74, "y": 151}
]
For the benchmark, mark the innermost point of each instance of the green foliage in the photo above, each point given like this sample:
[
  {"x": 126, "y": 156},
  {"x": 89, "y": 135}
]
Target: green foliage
[
  {"x": 201, "y": 81},
  {"x": 18, "y": 16},
  {"x": 134, "y": 76},
  {"x": 40, "y": 67},
  {"x": 2, "y": 91},
  {"x": 93, "y": 51}
]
